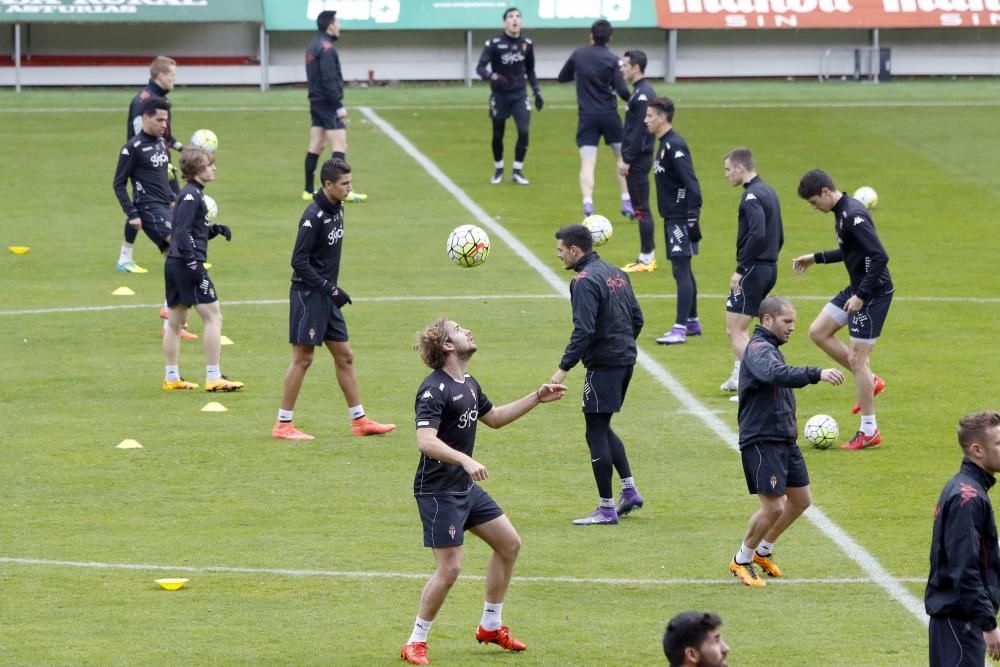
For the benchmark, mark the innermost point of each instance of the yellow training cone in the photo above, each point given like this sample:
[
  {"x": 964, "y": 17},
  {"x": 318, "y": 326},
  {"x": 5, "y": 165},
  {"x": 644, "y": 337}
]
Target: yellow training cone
[
  {"x": 225, "y": 340},
  {"x": 214, "y": 407},
  {"x": 172, "y": 584},
  {"x": 19, "y": 249},
  {"x": 123, "y": 291},
  {"x": 129, "y": 443}
]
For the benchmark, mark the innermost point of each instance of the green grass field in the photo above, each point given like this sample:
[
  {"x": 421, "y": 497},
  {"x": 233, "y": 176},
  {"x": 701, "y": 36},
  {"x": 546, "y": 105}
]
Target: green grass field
[{"x": 311, "y": 554}]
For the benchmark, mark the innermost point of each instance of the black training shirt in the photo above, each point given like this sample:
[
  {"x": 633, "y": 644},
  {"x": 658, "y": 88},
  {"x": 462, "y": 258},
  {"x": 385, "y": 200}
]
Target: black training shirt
[
  {"x": 191, "y": 227},
  {"x": 678, "y": 193},
  {"x": 638, "y": 142},
  {"x": 316, "y": 257},
  {"x": 760, "y": 234},
  {"x": 859, "y": 249},
  {"x": 143, "y": 159},
  {"x": 453, "y": 408},
  {"x": 512, "y": 59},
  {"x": 598, "y": 77},
  {"x": 326, "y": 82}
]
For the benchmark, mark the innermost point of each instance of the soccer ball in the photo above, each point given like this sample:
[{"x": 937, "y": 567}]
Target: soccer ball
[
  {"x": 468, "y": 246},
  {"x": 821, "y": 431},
  {"x": 213, "y": 208},
  {"x": 205, "y": 139},
  {"x": 600, "y": 228},
  {"x": 867, "y": 196}
]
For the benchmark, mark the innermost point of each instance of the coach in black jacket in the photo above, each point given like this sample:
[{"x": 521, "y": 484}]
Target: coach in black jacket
[
  {"x": 772, "y": 463},
  {"x": 606, "y": 321},
  {"x": 963, "y": 588}
]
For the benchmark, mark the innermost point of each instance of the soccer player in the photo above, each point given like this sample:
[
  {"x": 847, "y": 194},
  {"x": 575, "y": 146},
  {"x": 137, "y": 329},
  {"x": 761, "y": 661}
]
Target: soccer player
[
  {"x": 449, "y": 405},
  {"x": 507, "y": 61},
  {"x": 963, "y": 587},
  {"x": 316, "y": 298},
  {"x": 598, "y": 77},
  {"x": 759, "y": 238},
  {"x": 863, "y": 305},
  {"x": 772, "y": 463},
  {"x": 162, "y": 78},
  {"x": 606, "y": 321},
  {"x": 692, "y": 639},
  {"x": 146, "y": 161},
  {"x": 326, "y": 100},
  {"x": 636, "y": 158},
  {"x": 187, "y": 281},
  {"x": 678, "y": 198}
]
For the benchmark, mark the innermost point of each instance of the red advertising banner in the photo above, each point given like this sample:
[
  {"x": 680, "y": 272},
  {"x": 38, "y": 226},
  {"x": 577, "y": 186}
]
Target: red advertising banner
[{"x": 795, "y": 14}]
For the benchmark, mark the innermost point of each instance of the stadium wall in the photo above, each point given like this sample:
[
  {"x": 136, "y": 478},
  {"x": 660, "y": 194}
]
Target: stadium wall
[{"x": 222, "y": 54}]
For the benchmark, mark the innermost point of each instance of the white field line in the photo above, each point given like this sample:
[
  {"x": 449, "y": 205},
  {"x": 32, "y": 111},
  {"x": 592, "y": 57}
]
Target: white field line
[
  {"x": 346, "y": 574},
  {"x": 865, "y": 560},
  {"x": 859, "y": 104},
  {"x": 467, "y": 297}
]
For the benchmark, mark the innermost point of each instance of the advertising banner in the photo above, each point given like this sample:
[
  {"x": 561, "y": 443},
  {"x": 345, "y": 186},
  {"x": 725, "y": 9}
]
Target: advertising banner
[
  {"x": 714, "y": 14},
  {"x": 131, "y": 11},
  {"x": 457, "y": 14}
]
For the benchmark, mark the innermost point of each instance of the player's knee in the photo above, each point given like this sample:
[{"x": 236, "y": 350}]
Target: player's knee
[
  {"x": 510, "y": 549},
  {"x": 522, "y": 137},
  {"x": 857, "y": 360},
  {"x": 344, "y": 359},
  {"x": 448, "y": 572},
  {"x": 818, "y": 333}
]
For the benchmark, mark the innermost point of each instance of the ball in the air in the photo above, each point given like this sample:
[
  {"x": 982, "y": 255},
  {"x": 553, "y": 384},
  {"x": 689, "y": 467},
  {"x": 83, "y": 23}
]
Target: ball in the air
[
  {"x": 212, "y": 208},
  {"x": 867, "y": 196},
  {"x": 468, "y": 246},
  {"x": 600, "y": 228},
  {"x": 205, "y": 139},
  {"x": 821, "y": 431}
]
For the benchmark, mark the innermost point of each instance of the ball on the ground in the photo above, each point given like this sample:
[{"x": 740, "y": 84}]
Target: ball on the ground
[
  {"x": 205, "y": 139},
  {"x": 867, "y": 196},
  {"x": 468, "y": 246},
  {"x": 821, "y": 431},
  {"x": 213, "y": 208},
  {"x": 600, "y": 228}
]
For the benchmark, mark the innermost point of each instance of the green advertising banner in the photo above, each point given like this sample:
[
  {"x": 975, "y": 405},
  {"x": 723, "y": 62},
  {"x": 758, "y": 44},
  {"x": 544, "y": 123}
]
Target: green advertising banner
[
  {"x": 457, "y": 14},
  {"x": 131, "y": 11}
]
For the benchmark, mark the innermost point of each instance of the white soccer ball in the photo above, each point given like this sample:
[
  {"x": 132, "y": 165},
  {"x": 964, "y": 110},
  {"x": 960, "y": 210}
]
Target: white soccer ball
[
  {"x": 821, "y": 431},
  {"x": 867, "y": 196},
  {"x": 213, "y": 208},
  {"x": 600, "y": 228},
  {"x": 468, "y": 246},
  {"x": 205, "y": 139}
]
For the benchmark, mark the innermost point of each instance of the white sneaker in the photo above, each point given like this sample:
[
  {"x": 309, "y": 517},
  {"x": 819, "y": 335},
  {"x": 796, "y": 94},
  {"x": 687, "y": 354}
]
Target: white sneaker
[
  {"x": 732, "y": 384},
  {"x": 519, "y": 178}
]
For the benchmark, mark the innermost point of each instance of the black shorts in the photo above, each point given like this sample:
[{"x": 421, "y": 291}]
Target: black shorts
[
  {"x": 590, "y": 129},
  {"x": 604, "y": 389},
  {"x": 325, "y": 116},
  {"x": 955, "y": 643},
  {"x": 313, "y": 318},
  {"x": 516, "y": 104},
  {"x": 185, "y": 287},
  {"x": 865, "y": 326},
  {"x": 446, "y": 518},
  {"x": 769, "y": 467},
  {"x": 157, "y": 223},
  {"x": 679, "y": 243},
  {"x": 757, "y": 283}
]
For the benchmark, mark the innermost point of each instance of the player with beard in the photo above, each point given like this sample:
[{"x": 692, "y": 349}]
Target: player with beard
[{"x": 449, "y": 405}]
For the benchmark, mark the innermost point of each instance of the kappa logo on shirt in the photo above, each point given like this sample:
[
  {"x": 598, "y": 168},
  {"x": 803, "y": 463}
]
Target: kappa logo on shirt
[
  {"x": 306, "y": 223},
  {"x": 125, "y": 150},
  {"x": 750, "y": 196},
  {"x": 858, "y": 220},
  {"x": 678, "y": 154},
  {"x": 968, "y": 493},
  {"x": 642, "y": 97},
  {"x": 189, "y": 197},
  {"x": 427, "y": 394}
]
